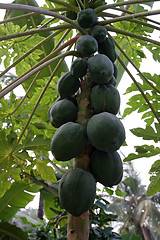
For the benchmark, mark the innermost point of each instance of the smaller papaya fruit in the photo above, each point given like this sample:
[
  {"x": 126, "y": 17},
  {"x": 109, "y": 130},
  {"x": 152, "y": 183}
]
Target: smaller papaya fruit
[
  {"x": 87, "y": 18},
  {"x": 100, "y": 68},
  {"x": 79, "y": 67},
  {"x": 113, "y": 81},
  {"x": 106, "y": 167},
  {"x": 99, "y": 33},
  {"x": 86, "y": 45},
  {"x": 67, "y": 85},
  {"x": 61, "y": 112},
  {"x": 77, "y": 191},
  {"x": 107, "y": 47},
  {"x": 105, "y": 99},
  {"x": 68, "y": 142},
  {"x": 115, "y": 70}
]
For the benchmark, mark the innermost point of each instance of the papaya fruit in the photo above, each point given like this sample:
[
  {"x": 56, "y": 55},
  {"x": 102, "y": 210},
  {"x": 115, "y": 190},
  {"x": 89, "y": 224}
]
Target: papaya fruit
[
  {"x": 77, "y": 191},
  {"x": 106, "y": 167},
  {"x": 106, "y": 132},
  {"x": 68, "y": 142},
  {"x": 86, "y": 45},
  {"x": 99, "y": 33},
  {"x": 87, "y": 18},
  {"x": 100, "y": 68},
  {"x": 79, "y": 67},
  {"x": 71, "y": 15},
  {"x": 97, "y": 3},
  {"x": 107, "y": 47},
  {"x": 61, "y": 112},
  {"x": 113, "y": 81},
  {"x": 67, "y": 85},
  {"x": 105, "y": 99}
]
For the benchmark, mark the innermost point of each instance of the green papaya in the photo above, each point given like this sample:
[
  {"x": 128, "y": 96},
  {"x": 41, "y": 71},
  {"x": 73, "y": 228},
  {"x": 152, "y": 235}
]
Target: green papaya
[
  {"x": 77, "y": 191},
  {"x": 86, "y": 45},
  {"x": 105, "y": 99},
  {"x": 97, "y": 3},
  {"x": 107, "y": 47},
  {"x": 68, "y": 142},
  {"x": 79, "y": 67},
  {"x": 106, "y": 167},
  {"x": 87, "y": 18},
  {"x": 99, "y": 33},
  {"x": 106, "y": 132},
  {"x": 72, "y": 15},
  {"x": 113, "y": 81},
  {"x": 67, "y": 85},
  {"x": 100, "y": 68},
  {"x": 62, "y": 112}
]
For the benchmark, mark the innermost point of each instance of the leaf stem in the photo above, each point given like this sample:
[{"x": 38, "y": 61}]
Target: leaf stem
[
  {"x": 108, "y": 6},
  {"x": 38, "y": 67},
  {"x": 65, "y": 4},
  {"x": 29, "y": 52},
  {"x": 132, "y": 16},
  {"x": 130, "y": 34},
  {"x": 38, "y": 101},
  {"x": 41, "y": 11},
  {"x": 31, "y": 32},
  {"x": 42, "y": 183},
  {"x": 139, "y": 88},
  {"x": 134, "y": 65}
]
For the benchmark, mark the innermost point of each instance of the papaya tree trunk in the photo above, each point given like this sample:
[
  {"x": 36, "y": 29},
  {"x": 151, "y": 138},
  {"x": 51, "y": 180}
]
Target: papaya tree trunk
[{"x": 78, "y": 227}]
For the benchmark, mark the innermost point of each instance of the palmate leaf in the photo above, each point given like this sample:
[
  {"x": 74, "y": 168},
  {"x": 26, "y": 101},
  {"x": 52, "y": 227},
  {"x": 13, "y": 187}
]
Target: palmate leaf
[
  {"x": 143, "y": 151},
  {"x": 46, "y": 172},
  {"x": 13, "y": 232},
  {"x": 18, "y": 196},
  {"x": 147, "y": 133},
  {"x": 154, "y": 185}
]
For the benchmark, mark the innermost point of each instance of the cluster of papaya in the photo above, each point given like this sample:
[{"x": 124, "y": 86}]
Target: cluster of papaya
[{"x": 104, "y": 132}]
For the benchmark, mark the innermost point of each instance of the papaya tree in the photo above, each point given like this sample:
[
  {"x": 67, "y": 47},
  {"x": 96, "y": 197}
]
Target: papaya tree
[{"x": 62, "y": 135}]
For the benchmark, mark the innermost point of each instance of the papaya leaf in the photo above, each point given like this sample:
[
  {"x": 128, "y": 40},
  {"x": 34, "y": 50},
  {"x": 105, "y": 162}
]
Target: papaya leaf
[
  {"x": 147, "y": 133},
  {"x": 18, "y": 196},
  {"x": 12, "y": 231},
  {"x": 143, "y": 151},
  {"x": 155, "y": 168},
  {"x": 46, "y": 172},
  {"x": 37, "y": 143},
  {"x": 131, "y": 236},
  {"x": 154, "y": 185},
  {"x": 52, "y": 205}
]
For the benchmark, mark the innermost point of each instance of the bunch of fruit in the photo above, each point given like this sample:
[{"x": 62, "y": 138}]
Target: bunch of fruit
[{"x": 103, "y": 133}]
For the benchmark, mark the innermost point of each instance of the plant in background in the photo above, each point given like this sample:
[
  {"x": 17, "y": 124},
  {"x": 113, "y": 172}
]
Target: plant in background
[{"x": 82, "y": 100}]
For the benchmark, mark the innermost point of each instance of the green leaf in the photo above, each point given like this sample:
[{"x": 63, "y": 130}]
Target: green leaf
[
  {"x": 147, "y": 133},
  {"x": 18, "y": 196},
  {"x": 46, "y": 172},
  {"x": 154, "y": 185},
  {"x": 120, "y": 193},
  {"x": 155, "y": 167},
  {"x": 52, "y": 205},
  {"x": 10, "y": 230},
  {"x": 131, "y": 236},
  {"x": 143, "y": 151}
]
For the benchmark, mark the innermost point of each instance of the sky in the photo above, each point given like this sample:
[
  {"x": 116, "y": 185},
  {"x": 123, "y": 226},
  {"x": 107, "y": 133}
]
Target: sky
[{"x": 142, "y": 166}]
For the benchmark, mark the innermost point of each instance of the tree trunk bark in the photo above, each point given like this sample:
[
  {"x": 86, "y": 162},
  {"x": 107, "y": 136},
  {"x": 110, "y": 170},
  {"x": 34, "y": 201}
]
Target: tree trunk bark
[
  {"x": 40, "y": 209},
  {"x": 78, "y": 227}
]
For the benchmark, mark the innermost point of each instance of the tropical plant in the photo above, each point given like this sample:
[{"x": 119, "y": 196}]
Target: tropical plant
[{"x": 39, "y": 48}]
